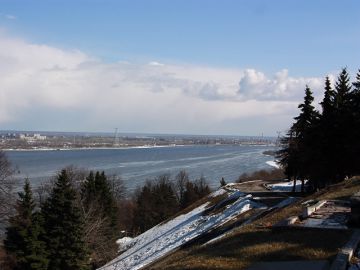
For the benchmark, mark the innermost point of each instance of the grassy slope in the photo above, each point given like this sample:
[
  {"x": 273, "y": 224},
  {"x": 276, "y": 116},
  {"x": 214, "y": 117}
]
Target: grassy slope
[{"x": 258, "y": 242}]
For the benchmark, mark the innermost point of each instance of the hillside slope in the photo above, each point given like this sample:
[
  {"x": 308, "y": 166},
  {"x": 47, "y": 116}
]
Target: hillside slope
[
  {"x": 259, "y": 241},
  {"x": 218, "y": 213}
]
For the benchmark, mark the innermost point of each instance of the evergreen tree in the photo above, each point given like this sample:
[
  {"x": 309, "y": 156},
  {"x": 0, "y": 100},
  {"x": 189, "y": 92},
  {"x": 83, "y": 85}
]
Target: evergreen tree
[
  {"x": 23, "y": 236},
  {"x": 96, "y": 189},
  {"x": 165, "y": 200},
  {"x": 88, "y": 189},
  {"x": 322, "y": 135},
  {"x": 343, "y": 89},
  {"x": 356, "y": 84},
  {"x": 144, "y": 212},
  {"x": 155, "y": 202},
  {"x": 325, "y": 147},
  {"x": 222, "y": 182},
  {"x": 296, "y": 155},
  {"x": 64, "y": 227},
  {"x": 354, "y": 146},
  {"x": 341, "y": 136},
  {"x": 100, "y": 208},
  {"x": 288, "y": 154},
  {"x": 106, "y": 198},
  {"x": 328, "y": 102}
]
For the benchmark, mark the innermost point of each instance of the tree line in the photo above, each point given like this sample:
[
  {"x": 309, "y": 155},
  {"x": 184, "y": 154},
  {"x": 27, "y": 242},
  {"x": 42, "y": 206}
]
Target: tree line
[
  {"x": 322, "y": 146},
  {"x": 158, "y": 200},
  {"x": 75, "y": 220}
]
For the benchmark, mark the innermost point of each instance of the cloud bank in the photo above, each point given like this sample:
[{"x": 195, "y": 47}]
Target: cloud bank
[{"x": 48, "y": 88}]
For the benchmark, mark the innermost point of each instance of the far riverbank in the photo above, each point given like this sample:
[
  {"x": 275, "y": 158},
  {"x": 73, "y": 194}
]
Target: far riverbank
[{"x": 137, "y": 164}]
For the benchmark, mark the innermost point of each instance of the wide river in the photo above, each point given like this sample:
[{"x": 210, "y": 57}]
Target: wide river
[{"x": 136, "y": 165}]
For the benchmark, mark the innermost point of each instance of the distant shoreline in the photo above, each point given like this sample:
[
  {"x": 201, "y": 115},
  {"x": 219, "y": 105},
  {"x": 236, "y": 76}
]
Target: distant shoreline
[
  {"x": 122, "y": 147},
  {"x": 93, "y": 148}
]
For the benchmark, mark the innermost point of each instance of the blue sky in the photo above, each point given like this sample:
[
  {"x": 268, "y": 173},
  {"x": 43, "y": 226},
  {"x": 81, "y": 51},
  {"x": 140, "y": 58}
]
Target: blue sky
[{"x": 308, "y": 39}]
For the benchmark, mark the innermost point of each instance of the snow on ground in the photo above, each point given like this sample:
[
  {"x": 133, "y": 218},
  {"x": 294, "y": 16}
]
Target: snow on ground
[
  {"x": 216, "y": 193},
  {"x": 286, "y": 186},
  {"x": 164, "y": 238},
  {"x": 281, "y": 204},
  {"x": 125, "y": 243},
  {"x": 273, "y": 163}
]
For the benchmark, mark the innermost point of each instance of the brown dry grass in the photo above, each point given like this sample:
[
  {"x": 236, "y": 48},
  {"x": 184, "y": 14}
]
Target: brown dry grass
[
  {"x": 258, "y": 242},
  {"x": 265, "y": 175}
]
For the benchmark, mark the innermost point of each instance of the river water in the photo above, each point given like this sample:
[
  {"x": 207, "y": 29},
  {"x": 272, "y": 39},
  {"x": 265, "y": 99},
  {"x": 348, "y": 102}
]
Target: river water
[{"x": 136, "y": 165}]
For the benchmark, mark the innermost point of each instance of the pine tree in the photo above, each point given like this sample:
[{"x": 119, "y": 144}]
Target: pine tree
[
  {"x": 328, "y": 102},
  {"x": 288, "y": 154},
  {"x": 296, "y": 154},
  {"x": 155, "y": 202},
  {"x": 144, "y": 217},
  {"x": 343, "y": 89},
  {"x": 318, "y": 141},
  {"x": 307, "y": 115},
  {"x": 88, "y": 189},
  {"x": 64, "y": 227},
  {"x": 325, "y": 147},
  {"x": 342, "y": 127},
  {"x": 106, "y": 198},
  {"x": 96, "y": 189},
  {"x": 165, "y": 200},
  {"x": 222, "y": 182},
  {"x": 23, "y": 237},
  {"x": 354, "y": 153},
  {"x": 101, "y": 209},
  {"x": 356, "y": 84}
]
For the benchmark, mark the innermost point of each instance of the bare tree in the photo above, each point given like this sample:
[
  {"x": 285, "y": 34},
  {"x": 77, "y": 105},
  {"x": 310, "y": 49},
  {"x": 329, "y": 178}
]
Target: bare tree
[
  {"x": 102, "y": 248},
  {"x": 118, "y": 187},
  {"x": 182, "y": 178}
]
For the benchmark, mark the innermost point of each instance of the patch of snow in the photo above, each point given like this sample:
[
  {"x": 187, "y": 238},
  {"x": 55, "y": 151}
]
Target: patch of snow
[
  {"x": 251, "y": 181},
  {"x": 230, "y": 184},
  {"x": 286, "y": 186},
  {"x": 125, "y": 243},
  {"x": 236, "y": 195},
  {"x": 273, "y": 163},
  {"x": 216, "y": 193},
  {"x": 231, "y": 187},
  {"x": 164, "y": 238}
]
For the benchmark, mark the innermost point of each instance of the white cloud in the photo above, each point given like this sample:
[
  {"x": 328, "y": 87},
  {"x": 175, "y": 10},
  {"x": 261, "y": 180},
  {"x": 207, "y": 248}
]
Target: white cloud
[
  {"x": 49, "y": 88},
  {"x": 255, "y": 85}
]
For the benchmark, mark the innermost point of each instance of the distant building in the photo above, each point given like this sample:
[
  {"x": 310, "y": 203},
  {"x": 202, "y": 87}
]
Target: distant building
[
  {"x": 39, "y": 137},
  {"x": 31, "y": 138}
]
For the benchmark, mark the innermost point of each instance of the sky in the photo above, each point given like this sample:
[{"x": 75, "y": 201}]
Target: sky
[{"x": 231, "y": 67}]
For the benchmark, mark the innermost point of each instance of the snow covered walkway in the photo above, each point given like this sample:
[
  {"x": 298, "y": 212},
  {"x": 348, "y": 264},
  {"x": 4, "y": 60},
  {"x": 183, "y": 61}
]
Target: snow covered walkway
[{"x": 165, "y": 238}]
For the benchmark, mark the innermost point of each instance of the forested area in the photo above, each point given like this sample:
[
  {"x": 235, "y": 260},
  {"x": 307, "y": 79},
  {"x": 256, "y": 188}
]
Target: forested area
[
  {"x": 74, "y": 220},
  {"x": 323, "y": 146}
]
